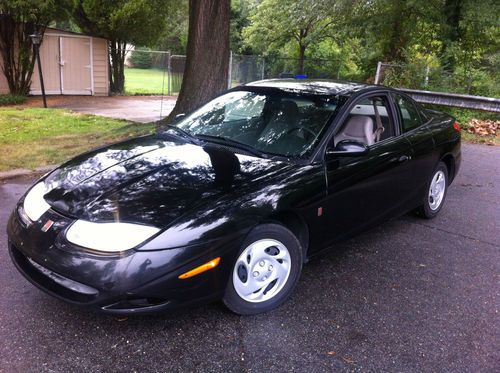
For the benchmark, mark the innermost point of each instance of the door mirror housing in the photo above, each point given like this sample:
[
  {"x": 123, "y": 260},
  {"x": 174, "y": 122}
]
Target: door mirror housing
[{"x": 349, "y": 148}]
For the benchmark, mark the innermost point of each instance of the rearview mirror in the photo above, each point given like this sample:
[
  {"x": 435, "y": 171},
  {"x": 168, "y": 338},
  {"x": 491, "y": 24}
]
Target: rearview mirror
[{"x": 348, "y": 148}]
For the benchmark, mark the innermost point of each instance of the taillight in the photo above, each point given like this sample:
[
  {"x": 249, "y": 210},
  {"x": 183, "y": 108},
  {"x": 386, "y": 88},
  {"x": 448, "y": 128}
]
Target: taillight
[{"x": 456, "y": 127}]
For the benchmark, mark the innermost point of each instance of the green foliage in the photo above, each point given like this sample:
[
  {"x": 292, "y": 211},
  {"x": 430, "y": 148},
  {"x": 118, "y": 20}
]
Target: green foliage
[
  {"x": 123, "y": 22},
  {"x": 141, "y": 58},
  {"x": 285, "y": 24},
  {"x": 138, "y": 22},
  {"x": 444, "y": 45},
  {"x": 18, "y": 20},
  {"x": 175, "y": 31},
  {"x": 240, "y": 13},
  {"x": 11, "y": 99}
]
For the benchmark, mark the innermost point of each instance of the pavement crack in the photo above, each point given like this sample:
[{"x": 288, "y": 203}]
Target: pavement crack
[
  {"x": 455, "y": 234},
  {"x": 241, "y": 359}
]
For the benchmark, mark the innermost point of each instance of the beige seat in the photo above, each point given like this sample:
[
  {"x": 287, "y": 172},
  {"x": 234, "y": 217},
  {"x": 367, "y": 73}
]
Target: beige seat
[{"x": 358, "y": 128}]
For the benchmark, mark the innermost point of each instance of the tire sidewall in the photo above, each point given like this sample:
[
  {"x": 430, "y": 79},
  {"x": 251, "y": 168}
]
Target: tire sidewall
[{"x": 280, "y": 233}]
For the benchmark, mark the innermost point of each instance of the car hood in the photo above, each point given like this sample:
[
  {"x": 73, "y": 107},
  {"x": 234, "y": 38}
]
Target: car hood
[{"x": 151, "y": 180}]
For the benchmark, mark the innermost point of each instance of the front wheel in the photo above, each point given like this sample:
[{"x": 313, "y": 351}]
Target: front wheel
[
  {"x": 266, "y": 271},
  {"x": 435, "y": 195}
]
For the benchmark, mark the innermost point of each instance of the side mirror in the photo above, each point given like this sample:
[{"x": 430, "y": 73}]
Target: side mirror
[{"x": 348, "y": 148}]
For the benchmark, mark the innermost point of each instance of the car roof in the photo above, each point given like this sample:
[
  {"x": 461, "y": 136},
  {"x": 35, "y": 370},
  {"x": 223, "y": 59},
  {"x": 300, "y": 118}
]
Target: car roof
[{"x": 313, "y": 86}]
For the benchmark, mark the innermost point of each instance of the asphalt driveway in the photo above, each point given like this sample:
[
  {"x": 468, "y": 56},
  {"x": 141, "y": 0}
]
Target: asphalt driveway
[{"x": 410, "y": 296}]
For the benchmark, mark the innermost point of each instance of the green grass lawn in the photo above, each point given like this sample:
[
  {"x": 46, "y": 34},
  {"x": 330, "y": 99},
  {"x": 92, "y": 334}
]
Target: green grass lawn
[
  {"x": 34, "y": 137},
  {"x": 145, "y": 81}
]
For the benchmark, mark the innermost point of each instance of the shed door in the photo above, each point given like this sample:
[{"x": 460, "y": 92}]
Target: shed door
[
  {"x": 76, "y": 75},
  {"x": 49, "y": 55}
]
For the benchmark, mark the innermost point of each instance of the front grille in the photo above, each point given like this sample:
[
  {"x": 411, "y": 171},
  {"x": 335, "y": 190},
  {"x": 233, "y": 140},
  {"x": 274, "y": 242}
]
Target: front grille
[{"x": 51, "y": 282}]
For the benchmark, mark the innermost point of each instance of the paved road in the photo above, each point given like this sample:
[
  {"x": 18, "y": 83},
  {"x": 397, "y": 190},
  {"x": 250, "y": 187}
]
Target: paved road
[{"x": 412, "y": 295}]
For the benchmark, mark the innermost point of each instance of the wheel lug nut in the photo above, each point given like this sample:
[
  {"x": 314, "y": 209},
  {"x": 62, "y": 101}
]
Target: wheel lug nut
[
  {"x": 255, "y": 274},
  {"x": 270, "y": 267},
  {"x": 262, "y": 263}
]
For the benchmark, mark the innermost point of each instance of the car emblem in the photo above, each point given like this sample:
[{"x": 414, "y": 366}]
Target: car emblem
[{"x": 47, "y": 225}]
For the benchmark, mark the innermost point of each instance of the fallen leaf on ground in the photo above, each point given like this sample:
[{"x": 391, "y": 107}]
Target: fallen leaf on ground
[
  {"x": 347, "y": 360},
  {"x": 483, "y": 127}
]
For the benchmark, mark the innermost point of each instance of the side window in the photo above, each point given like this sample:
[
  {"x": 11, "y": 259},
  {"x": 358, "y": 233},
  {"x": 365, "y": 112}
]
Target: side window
[
  {"x": 369, "y": 122},
  {"x": 408, "y": 113}
]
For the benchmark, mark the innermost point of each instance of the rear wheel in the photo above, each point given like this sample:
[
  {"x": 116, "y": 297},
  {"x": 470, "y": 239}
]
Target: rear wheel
[
  {"x": 435, "y": 195},
  {"x": 266, "y": 271}
]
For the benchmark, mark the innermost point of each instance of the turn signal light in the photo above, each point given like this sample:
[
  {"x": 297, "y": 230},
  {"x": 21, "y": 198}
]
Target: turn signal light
[
  {"x": 456, "y": 126},
  {"x": 203, "y": 268}
]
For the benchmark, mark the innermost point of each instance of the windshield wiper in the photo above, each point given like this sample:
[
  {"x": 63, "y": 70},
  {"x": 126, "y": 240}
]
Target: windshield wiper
[
  {"x": 235, "y": 144},
  {"x": 183, "y": 133}
]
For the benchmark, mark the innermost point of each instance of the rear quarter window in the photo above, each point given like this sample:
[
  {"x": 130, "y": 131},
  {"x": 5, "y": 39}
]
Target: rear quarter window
[{"x": 408, "y": 113}]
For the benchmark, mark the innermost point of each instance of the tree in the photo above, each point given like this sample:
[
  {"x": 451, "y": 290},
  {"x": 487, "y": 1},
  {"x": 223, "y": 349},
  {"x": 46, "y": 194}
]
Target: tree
[
  {"x": 141, "y": 58},
  {"x": 473, "y": 48},
  {"x": 122, "y": 22},
  {"x": 451, "y": 31},
  {"x": 207, "y": 60},
  {"x": 240, "y": 18},
  {"x": 275, "y": 23},
  {"x": 174, "y": 36},
  {"x": 19, "y": 20}
]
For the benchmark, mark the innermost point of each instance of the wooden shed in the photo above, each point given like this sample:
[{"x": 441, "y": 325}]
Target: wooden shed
[{"x": 72, "y": 64}]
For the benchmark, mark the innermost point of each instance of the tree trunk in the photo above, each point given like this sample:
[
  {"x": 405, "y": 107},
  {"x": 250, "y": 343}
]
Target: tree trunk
[
  {"x": 302, "y": 53},
  {"x": 17, "y": 54},
  {"x": 396, "y": 41},
  {"x": 117, "y": 68},
  {"x": 451, "y": 31},
  {"x": 207, "y": 62}
]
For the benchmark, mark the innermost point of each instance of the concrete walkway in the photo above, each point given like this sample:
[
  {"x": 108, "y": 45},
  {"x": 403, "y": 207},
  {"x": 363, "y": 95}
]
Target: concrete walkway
[{"x": 142, "y": 109}]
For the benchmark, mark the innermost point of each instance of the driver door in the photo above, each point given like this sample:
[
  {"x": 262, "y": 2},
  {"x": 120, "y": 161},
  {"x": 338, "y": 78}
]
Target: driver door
[{"x": 365, "y": 189}]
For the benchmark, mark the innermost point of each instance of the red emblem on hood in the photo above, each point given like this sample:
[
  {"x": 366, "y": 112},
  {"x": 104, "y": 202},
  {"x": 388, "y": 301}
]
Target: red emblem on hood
[{"x": 47, "y": 225}]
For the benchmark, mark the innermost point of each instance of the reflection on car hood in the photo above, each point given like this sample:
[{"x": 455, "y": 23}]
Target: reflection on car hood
[{"x": 150, "y": 180}]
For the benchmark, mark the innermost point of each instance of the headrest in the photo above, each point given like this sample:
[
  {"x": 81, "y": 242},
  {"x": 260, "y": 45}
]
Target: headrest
[{"x": 359, "y": 126}]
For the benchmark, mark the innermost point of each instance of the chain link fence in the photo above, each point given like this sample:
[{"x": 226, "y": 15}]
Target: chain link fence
[
  {"x": 150, "y": 72},
  {"x": 160, "y": 73}
]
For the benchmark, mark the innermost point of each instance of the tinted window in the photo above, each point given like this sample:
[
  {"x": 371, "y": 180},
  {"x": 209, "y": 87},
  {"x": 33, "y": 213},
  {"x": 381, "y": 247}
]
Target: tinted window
[
  {"x": 408, "y": 113},
  {"x": 278, "y": 123}
]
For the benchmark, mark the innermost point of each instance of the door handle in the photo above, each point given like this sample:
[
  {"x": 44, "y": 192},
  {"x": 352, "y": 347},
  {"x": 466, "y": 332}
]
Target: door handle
[{"x": 404, "y": 158}]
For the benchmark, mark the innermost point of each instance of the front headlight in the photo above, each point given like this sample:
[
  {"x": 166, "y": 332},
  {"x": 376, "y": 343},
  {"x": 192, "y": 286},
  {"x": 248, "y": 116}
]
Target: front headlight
[
  {"x": 34, "y": 203},
  {"x": 108, "y": 237}
]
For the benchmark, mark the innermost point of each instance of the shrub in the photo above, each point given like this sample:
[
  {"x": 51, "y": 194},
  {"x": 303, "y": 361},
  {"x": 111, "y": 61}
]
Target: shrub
[
  {"x": 141, "y": 58},
  {"x": 9, "y": 99}
]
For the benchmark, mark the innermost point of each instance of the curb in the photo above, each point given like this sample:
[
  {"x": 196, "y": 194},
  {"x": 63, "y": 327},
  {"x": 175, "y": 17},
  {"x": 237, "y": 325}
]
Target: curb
[{"x": 18, "y": 172}]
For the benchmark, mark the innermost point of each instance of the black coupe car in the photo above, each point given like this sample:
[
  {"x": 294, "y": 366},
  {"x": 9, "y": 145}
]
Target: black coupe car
[{"x": 229, "y": 201}]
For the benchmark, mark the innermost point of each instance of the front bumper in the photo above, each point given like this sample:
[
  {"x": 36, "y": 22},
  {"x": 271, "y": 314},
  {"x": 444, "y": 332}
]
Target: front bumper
[{"x": 133, "y": 282}]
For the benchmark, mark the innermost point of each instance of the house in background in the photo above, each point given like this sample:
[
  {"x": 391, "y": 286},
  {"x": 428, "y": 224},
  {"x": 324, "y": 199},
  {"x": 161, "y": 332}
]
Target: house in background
[{"x": 72, "y": 64}]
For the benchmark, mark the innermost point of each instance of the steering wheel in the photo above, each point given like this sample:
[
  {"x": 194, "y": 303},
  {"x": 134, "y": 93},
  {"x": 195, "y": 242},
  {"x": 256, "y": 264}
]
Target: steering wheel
[{"x": 310, "y": 131}]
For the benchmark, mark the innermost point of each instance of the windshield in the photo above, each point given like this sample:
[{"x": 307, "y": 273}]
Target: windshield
[{"x": 273, "y": 123}]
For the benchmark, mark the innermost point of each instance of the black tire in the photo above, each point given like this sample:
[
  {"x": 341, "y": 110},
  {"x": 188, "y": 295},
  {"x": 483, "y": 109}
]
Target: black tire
[
  {"x": 425, "y": 210},
  {"x": 277, "y": 232}
]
